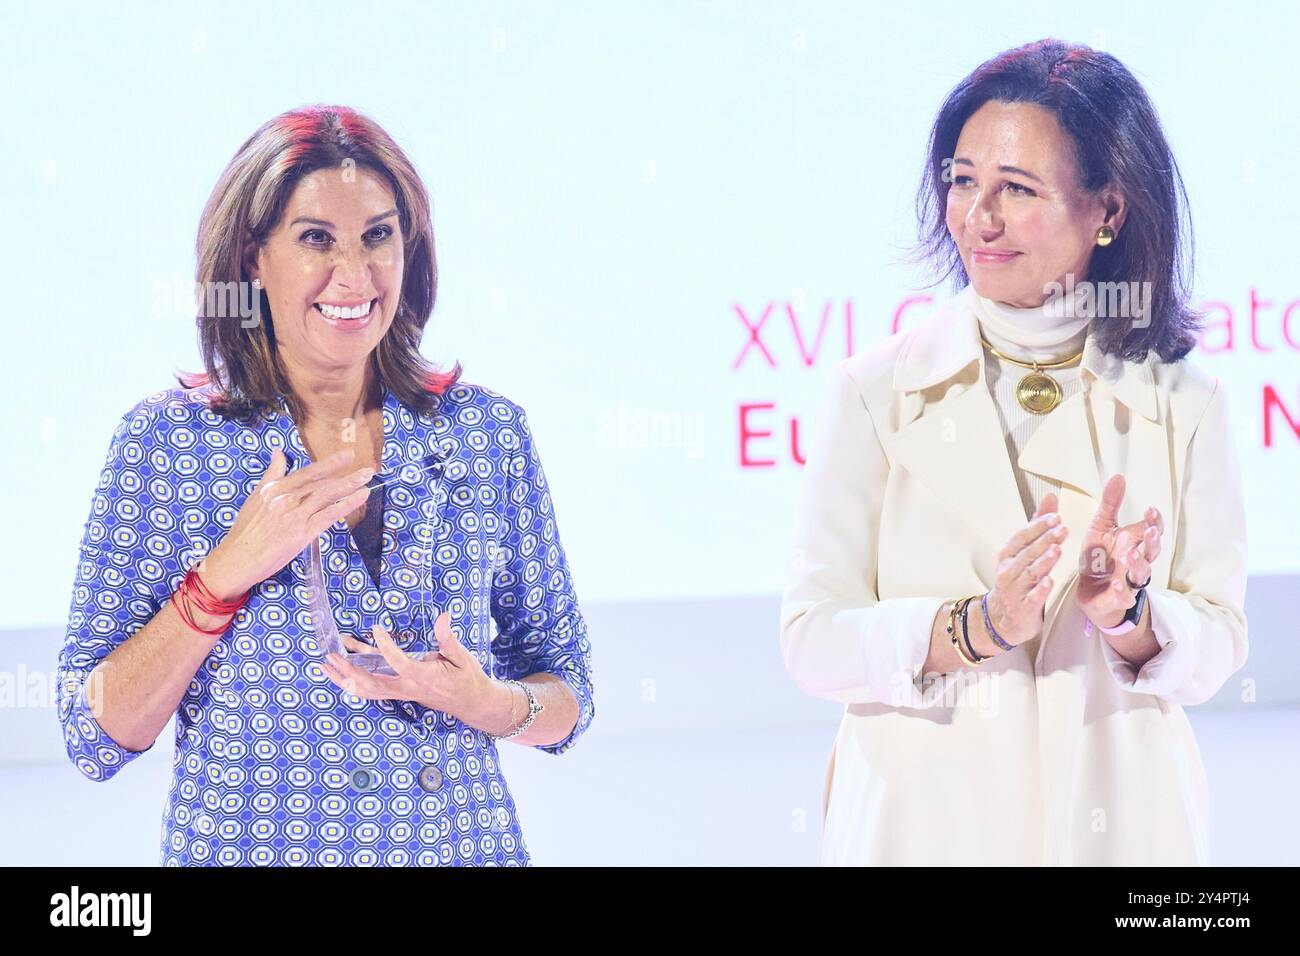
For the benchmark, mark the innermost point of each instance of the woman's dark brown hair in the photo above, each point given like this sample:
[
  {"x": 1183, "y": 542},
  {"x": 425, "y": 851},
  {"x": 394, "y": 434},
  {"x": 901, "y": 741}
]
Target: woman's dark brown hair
[{"x": 245, "y": 207}]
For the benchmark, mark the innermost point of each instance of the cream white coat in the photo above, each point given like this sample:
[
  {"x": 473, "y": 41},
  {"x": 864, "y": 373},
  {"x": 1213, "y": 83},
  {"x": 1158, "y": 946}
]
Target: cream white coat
[{"x": 1055, "y": 753}]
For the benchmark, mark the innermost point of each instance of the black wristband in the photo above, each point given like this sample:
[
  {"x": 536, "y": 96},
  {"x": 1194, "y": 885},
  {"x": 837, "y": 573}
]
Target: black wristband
[{"x": 965, "y": 633}]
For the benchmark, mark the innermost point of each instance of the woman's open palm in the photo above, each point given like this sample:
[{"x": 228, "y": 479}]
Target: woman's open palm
[{"x": 1110, "y": 551}]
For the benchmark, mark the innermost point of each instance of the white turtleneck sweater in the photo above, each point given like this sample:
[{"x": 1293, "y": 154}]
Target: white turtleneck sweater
[{"x": 1048, "y": 333}]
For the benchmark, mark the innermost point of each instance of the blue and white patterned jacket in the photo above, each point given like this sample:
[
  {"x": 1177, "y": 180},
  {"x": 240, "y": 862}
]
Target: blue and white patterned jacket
[{"x": 274, "y": 764}]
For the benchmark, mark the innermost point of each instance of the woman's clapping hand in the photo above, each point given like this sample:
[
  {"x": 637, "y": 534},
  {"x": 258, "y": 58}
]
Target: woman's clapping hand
[
  {"x": 1023, "y": 579},
  {"x": 1116, "y": 559}
]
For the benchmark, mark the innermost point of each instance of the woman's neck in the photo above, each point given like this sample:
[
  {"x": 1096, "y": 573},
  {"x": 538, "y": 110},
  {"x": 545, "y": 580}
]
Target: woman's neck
[
  {"x": 1052, "y": 331},
  {"x": 328, "y": 400}
]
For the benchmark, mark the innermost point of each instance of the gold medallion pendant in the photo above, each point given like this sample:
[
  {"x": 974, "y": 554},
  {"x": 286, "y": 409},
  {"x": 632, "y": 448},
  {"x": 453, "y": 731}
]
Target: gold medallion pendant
[{"x": 1038, "y": 393}]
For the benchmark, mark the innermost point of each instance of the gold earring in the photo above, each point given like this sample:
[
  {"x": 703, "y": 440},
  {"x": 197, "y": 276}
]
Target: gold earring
[{"x": 1105, "y": 236}]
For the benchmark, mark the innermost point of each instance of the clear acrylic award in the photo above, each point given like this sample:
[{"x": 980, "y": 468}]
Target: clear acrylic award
[{"x": 322, "y": 615}]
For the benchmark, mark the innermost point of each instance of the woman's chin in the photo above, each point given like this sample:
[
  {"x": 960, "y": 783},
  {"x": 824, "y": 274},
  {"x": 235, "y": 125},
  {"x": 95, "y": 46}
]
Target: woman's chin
[
  {"x": 1001, "y": 290},
  {"x": 344, "y": 350}
]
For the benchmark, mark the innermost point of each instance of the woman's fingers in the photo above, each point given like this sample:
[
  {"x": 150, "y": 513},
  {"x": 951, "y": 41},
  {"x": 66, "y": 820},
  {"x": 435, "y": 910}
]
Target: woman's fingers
[
  {"x": 1112, "y": 496},
  {"x": 1028, "y": 534},
  {"x": 295, "y": 485},
  {"x": 274, "y": 471},
  {"x": 1036, "y": 580},
  {"x": 1147, "y": 534},
  {"x": 1036, "y": 597},
  {"x": 1139, "y": 570},
  {"x": 396, "y": 657},
  {"x": 285, "y": 512},
  {"x": 342, "y": 674},
  {"x": 361, "y": 683},
  {"x": 1153, "y": 517},
  {"x": 1151, "y": 540},
  {"x": 1022, "y": 566},
  {"x": 327, "y": 467},
  {"x": 323, "y": 519},
  {"x": 448, "y": 646},
  {"x": 384, "y": 645},
  {"x": 326, "y": 493},
  {"x": 1044, "y": 563},
  {"x": 356, "y": 644},
  {"x": 1134, "y": 562}
]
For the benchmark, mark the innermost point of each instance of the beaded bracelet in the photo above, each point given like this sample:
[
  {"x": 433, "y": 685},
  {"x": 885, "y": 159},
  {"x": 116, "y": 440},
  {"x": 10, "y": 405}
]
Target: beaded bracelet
[
  {"x": 534, "y": 708},
  {"x": 988, "y": 624}
]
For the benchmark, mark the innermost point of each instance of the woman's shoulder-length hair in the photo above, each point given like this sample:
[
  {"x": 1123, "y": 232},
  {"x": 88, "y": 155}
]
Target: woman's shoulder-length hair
[
  {"x": 244, "y": 376},
  {"x": 1118, "y": 139}
]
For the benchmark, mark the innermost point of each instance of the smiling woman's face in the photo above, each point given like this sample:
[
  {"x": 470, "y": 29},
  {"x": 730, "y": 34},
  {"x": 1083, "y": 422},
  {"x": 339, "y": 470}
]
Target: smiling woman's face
[
  {"x": 1016, "y": 209},
  {"x": 332, "y": 271}
]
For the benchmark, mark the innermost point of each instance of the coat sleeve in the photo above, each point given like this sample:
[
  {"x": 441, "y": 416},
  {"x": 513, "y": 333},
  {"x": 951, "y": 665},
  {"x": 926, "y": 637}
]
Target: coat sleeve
[
  {"x": 540, "y": 628},
  {"x": 125, "y": 571},
  {"x": 1199, "y": 620},
  {"x": 1158, "y": 676},
  {"x": 840, "y": 641}
]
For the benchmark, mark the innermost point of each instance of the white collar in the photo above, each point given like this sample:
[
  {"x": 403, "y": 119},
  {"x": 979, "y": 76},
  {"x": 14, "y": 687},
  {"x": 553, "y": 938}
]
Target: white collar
[
  {"x": 947, "y": 341},
  {"x": 1049, "y": 332}
]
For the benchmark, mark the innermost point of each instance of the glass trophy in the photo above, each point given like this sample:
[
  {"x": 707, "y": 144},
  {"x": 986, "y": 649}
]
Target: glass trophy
[{"x": 322, "y": 614}]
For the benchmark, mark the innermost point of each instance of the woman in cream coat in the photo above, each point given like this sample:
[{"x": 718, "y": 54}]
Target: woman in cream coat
[{"x": 1071, "y": 747}]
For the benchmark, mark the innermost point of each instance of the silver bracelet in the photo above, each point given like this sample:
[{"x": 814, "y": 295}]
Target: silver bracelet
[{"x": 534, "y": 708}]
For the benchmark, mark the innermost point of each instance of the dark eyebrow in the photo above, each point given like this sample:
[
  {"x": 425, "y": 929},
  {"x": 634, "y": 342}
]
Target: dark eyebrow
[
  {"x": 1006, "y": 169},
  {"x": 329, "y": 225}
]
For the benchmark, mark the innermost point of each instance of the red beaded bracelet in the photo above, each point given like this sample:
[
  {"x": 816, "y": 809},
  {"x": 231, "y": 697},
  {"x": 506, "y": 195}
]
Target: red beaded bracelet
[{"x": 192, "y": 589}]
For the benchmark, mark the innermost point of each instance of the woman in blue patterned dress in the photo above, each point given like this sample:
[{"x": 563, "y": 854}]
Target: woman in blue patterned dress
[{"x": 320, "y": 442}]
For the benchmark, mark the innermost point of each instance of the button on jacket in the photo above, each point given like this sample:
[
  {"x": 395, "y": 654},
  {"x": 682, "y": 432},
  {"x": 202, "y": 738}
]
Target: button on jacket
[
  {"x": 274, "y": 764},
  {"x": 1056, "y": 752}
]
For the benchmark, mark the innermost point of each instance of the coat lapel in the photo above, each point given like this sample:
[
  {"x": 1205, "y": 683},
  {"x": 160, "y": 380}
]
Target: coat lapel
[
  {"x": 949, "y": 435},
  {"x": 950, "y": 439}
]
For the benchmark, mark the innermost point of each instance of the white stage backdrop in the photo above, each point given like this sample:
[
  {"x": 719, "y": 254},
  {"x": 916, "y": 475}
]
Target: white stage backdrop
[{"x": 620, "y": 191}]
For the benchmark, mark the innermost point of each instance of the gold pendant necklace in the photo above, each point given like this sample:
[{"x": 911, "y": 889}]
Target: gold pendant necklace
[{"x": 1037, "y": 392}]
